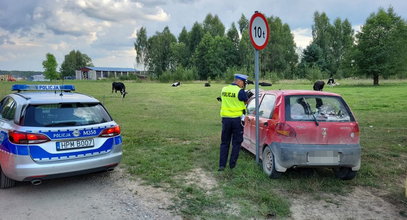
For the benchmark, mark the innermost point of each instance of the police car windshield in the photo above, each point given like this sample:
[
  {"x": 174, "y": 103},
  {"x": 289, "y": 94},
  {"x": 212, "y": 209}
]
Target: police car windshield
[{"x": 65, "y": 114}]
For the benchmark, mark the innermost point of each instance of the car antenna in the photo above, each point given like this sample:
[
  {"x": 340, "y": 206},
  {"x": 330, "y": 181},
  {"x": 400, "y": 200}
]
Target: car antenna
[{"x": 62, "y": 86}]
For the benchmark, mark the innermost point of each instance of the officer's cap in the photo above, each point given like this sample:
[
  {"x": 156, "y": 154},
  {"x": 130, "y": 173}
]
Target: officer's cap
[{"x": 241, "y": 77}]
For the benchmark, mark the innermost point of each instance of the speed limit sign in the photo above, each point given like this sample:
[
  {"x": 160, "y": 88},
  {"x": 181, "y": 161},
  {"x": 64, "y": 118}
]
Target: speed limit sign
[{"x": 259, "y": 31}]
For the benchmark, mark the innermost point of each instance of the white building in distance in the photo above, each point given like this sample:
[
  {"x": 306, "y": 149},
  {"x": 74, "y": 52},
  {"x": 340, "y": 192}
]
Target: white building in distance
[{"x": 95, "y": 73}]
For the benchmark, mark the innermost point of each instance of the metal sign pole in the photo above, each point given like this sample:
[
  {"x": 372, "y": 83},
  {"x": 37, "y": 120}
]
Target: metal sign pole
[
  {"x": 256, "y": 73},
  {"x": 259, "y": 32}
]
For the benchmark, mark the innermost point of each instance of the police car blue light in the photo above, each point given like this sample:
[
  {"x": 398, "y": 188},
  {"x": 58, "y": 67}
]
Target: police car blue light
[
  {"x": 46, "y": 134},
  {"x": 20, "y": 87}
]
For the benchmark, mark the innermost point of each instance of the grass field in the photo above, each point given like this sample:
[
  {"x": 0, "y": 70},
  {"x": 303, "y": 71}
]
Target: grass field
[{"x": 169, "y": 133}]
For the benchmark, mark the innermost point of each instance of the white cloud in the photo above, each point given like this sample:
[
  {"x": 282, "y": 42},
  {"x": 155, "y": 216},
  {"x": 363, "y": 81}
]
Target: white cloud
[
  {"x": 117, "y": 58},
  {"x": 123, "y": 10},
  {"x": 160, "y": 15},
  {"x": 302, "y": 37},
  {"x": 357, "y": 28},
  {"x": 67, "y": 22}
]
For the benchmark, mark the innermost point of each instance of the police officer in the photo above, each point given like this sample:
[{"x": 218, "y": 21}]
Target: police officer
[{"x": 232, "y": 112}]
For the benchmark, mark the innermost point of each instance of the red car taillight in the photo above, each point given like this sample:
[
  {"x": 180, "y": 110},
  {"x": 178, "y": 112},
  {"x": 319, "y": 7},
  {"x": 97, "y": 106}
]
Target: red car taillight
[
  {"x": 355, "y": 130},
  {"x": 285, "y": 130},
  {"x": 27, "y": 138},
  {"x": 110, "y": 132}
]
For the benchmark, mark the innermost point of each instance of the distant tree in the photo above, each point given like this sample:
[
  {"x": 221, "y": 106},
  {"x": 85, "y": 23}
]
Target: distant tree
[
  {"x": 184, "y": 51},
  {"x": 279, "y": 55},
  {"x": 224, "y": 56},
  {"x": 159, "y": 54},
  {"x": 183, "y": 36},
  {"x": 321, "y": 34},
  {"x": 312, "y": 56},
  {"x": 342, "y": 43},
  {"x": 74, "y": 61},
  {"x": 50, "y": 67},
  {"x": 233, "y": 35},
  {"x": 381, "y": 48},
  {"x": 245, "y": 52},
  {"x": 243, "y": 24},
  {"x": 180, "y": 55},
  {"x": 195, "y": 37},
  {"x": 209, "y": 52},
  {"x": 332, "y": 43},
  {"x": 141, "y": 46},
  {"x": 213, "y": 25},
  {"x": 202, "y": 57},
  {"x": 213, "y": 56},
  {"x": 311, "y": 59}
]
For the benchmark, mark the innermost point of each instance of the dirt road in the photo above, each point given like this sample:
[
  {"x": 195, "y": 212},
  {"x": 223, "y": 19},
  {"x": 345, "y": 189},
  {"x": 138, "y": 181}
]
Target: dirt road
[
  {"x": 115, "y": 195},
  {"x": 96, "y": 196}
]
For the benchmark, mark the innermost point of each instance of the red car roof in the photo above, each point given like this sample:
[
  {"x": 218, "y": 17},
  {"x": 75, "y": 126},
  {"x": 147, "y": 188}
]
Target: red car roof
[{"x": 299, "y": 92}]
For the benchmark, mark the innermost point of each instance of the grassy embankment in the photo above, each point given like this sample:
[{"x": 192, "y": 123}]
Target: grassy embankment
[{"x": 170, "y": 132}]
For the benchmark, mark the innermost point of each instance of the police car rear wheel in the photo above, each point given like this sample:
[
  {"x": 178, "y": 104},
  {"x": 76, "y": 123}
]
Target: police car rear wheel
[{"x": 5, "y": 182}]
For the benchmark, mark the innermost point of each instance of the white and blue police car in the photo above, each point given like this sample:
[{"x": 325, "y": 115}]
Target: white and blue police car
[{"x": 49, "y": 131}]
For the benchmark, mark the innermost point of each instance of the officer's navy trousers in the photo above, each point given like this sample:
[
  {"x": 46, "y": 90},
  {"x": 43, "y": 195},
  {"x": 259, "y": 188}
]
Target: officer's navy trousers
[{"x": 232, "y": 130}]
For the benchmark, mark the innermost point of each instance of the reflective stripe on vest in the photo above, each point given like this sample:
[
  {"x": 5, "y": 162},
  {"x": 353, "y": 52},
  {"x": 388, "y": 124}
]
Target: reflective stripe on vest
[{"x": 231, "y": 107}]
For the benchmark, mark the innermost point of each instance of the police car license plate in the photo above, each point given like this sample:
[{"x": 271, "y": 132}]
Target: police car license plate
[{"x": 68, "y": 145}]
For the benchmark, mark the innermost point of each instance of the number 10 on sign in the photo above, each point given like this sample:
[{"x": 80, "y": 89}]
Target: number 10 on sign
[{"x": 259, "y": 31}]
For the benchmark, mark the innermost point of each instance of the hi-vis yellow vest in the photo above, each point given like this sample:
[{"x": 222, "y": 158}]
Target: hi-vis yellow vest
[{"x": 231, "y": 107}]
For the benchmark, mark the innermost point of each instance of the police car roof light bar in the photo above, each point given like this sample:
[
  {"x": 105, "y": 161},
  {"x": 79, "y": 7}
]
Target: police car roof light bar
[{"x": 21, "y": 87}]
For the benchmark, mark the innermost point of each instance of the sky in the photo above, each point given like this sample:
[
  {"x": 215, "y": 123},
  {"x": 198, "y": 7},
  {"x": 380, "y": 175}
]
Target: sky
[{"x": 105, "y": 30}]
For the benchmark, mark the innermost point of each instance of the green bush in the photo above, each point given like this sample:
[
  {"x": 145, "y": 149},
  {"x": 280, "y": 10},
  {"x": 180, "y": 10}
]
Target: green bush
[
  {"x": 179, "y": 74},
  {"x": 229, "y": 75},
  {"x": 273, "y": 77},
  {"x": 129, "y": 77},
  {"x": 313, "y": 74}
]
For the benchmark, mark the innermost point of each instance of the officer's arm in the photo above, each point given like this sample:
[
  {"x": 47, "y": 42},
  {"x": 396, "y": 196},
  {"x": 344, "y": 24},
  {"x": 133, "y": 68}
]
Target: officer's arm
[{"x": 242, "y": 96}]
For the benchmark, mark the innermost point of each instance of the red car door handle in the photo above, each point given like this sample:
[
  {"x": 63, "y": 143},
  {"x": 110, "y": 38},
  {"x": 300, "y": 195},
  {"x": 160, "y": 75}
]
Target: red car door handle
[{"x": 266, "y": 124}]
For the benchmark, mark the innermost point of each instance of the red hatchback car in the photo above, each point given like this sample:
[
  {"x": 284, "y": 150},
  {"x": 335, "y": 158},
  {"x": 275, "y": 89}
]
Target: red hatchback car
[{"x": 300, "y": 128}]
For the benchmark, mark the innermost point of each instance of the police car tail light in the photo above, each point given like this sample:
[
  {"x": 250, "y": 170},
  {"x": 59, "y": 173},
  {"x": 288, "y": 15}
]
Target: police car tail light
[
  {"x": 27, "y": 138},
  {"x": 110, "y": 132}
]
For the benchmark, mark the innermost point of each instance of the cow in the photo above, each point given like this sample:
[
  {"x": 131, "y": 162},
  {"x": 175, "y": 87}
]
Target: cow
[
  {"x": 319, "y": 85},
  {"x": 207, "y": 84},
  {"x": 176, "y": 84},
  {"x": 265, "y": 84},
  {"x": 331, "y": 81},
  {"x": 261, "y": 83},
  {"x": 119, "y": 86}
]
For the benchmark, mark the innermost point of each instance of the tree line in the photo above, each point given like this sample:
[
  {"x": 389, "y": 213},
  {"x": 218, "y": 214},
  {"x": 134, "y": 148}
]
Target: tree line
[
  {"x": 72, "y": 62},
  {"x": 209, "y": 51}
]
